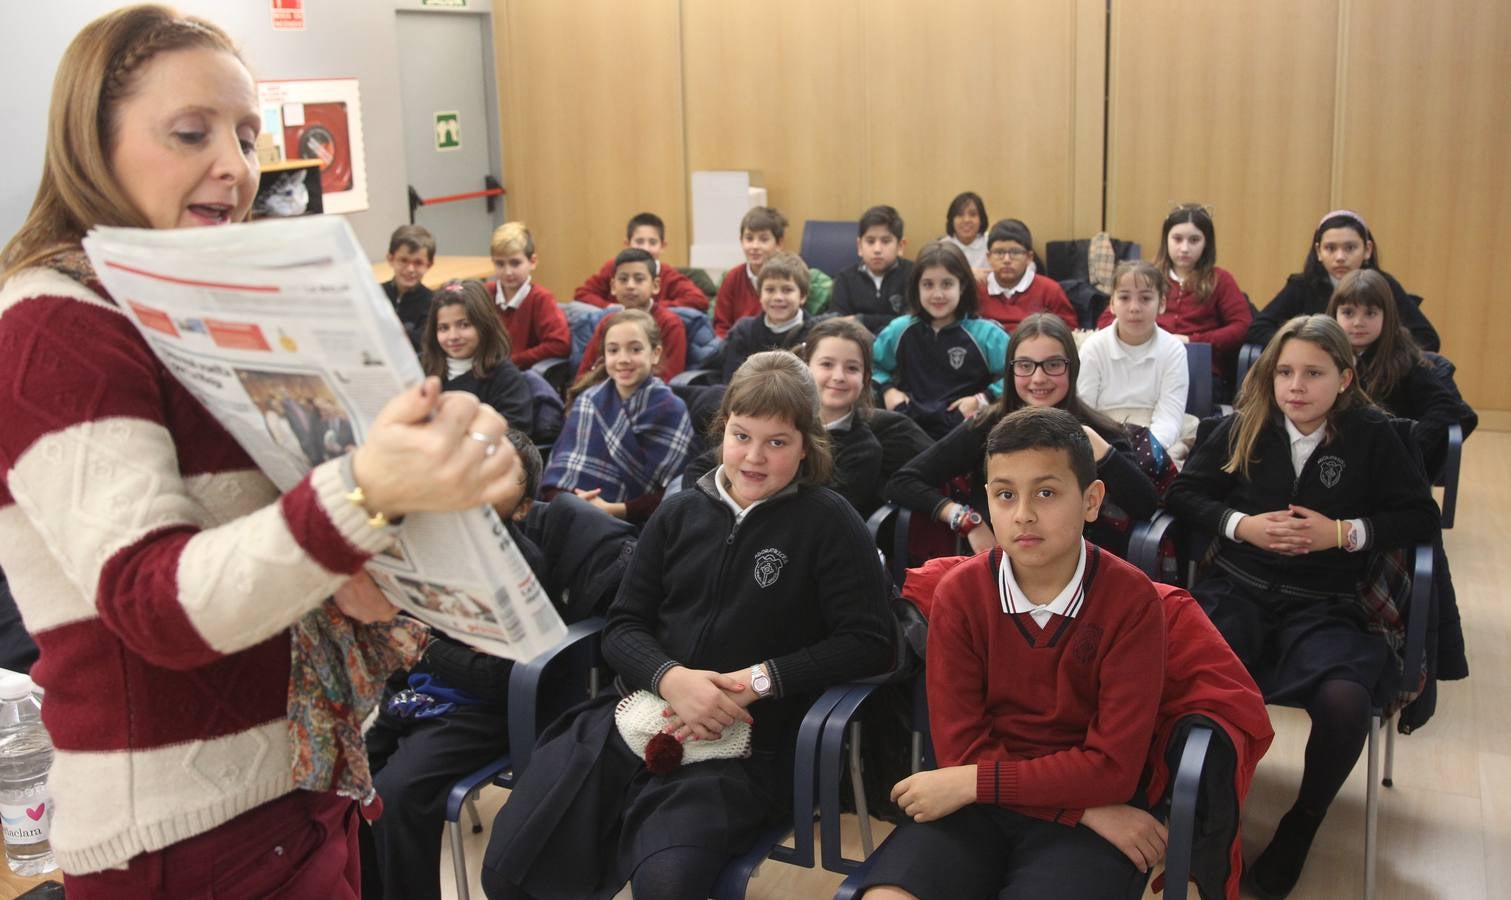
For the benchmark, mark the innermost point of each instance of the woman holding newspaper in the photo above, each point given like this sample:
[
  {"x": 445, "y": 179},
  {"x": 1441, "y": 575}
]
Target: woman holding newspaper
[{"x": 198, "y": 690}]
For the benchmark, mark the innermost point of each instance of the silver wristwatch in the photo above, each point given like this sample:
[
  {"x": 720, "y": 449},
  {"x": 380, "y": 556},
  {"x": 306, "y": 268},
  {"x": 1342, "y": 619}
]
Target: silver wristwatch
[{"x": 760, "y": 682}]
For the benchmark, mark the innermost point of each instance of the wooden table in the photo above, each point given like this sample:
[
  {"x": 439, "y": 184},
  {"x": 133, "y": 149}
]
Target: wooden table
[{"x": 445, "y": 269}]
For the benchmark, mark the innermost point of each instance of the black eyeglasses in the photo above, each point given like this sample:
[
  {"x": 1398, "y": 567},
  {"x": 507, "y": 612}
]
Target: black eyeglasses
[
  {"x": 1055, "y": 365},
  {"x": 1007, "y": 253}
]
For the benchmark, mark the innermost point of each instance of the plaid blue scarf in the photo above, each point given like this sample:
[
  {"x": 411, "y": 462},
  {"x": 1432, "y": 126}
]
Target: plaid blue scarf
[{"x": 628, "y": 448}]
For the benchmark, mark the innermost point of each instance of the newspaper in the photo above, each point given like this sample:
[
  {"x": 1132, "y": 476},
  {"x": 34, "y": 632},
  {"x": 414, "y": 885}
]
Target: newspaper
[{"x": 280, "y": 330}]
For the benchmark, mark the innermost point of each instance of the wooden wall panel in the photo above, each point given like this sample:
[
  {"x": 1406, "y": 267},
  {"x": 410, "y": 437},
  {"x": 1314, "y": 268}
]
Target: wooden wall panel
[
  {"x": 1243, "y": 122},
  {"x": 976, "y": 95},
  {"x": 779, "y": 87},
  {"x": 592, "y": 122},
  {"x": 1425, "y": 151}
]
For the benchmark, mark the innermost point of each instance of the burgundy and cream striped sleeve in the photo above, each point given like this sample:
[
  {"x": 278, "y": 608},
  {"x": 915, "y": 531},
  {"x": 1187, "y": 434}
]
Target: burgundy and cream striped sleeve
[{"x": 141, "y": 501}]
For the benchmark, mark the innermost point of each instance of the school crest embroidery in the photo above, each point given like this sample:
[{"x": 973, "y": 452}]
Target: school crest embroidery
[
  {"x": 768, "y": 566},
  {"x": 1331, "y": 468},
  {"x": 957, "y": 357},
  {"x": 1084, "y": 649}
]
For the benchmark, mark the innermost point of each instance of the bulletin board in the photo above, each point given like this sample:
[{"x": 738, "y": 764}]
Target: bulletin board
[{"x": 320, "y": 119}]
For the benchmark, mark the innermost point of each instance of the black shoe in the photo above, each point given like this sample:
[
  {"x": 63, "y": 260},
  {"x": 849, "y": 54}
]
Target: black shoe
[{"x": 1275, "y": 873}]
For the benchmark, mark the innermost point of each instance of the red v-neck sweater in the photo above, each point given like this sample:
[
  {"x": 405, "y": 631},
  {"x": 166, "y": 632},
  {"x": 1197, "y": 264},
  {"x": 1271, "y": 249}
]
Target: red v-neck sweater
[{"x": 1057, "y": 719}]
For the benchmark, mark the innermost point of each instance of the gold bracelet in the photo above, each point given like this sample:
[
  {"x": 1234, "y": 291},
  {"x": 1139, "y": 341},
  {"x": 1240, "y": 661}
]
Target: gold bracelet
[
  {"x": 1339, "y": 523},
  {"x": 356, "y": 497}
]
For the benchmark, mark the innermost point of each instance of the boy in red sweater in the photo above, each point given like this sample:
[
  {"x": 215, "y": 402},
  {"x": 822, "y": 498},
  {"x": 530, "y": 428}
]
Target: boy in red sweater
[
  {"x": 537, "y": 328},
  {"x": 635, "y": 287},
  {"x": 1014, "y": 290},
  {"x": 1045, "y": 665},
  {"x": 647, "y": 232},
  {"x": 761, "y": 232}
]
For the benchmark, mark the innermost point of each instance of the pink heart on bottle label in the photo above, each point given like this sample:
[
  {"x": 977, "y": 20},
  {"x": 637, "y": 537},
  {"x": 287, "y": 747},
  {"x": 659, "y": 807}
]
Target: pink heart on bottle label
[{"x": 36, "y": 812}]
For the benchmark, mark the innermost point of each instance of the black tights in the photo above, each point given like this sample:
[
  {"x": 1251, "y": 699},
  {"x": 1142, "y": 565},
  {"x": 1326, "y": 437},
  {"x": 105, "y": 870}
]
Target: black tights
[
  {"x": 1340, "y": 712},
  {"x": 671, "y": 874},
  {"x": 678, "y": 872}
]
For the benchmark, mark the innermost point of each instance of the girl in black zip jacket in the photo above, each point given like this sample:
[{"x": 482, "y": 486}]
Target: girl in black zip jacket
[
  {"x": 1342, "y": 244},
  {"x": 1045, "y": 346},
  {"x": 1393, "y": 370},
  {"x": 756, "y": 589},
  {"x": 1305, "y": 478}
]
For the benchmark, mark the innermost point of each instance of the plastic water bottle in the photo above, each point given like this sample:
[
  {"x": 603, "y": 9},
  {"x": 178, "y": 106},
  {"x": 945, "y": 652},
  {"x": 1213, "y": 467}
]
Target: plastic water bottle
[{"x": 25, "y": 756}]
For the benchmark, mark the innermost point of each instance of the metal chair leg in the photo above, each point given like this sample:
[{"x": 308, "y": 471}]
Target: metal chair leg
[
  {"x": 1372, "y": 808},
  {"x": 1390, "y": 752},
  {"x": 458, "y": 860},
  {"x": 477, "y": 823},
  {"x": 858, "y": 787}
]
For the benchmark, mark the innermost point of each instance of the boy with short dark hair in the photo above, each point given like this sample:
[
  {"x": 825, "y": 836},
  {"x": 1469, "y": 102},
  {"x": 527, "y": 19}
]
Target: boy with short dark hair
[
  {"x": 1014, "y": 290},
  {"x": 635, "y": 286},
  {"x": 411, "y": 253},
  {"x": 761, "y": 231},
  {"x": 1045, "y": 669},
  {"x": 647, "y": 232},
  {"x": 537, "y": 328},
  {"x": 874, "y": 291},
  {"x": 781, "y": 324}
]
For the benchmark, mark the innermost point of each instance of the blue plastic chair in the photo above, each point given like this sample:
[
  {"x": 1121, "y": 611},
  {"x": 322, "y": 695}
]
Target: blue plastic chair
[
  {"x": 1185, "y": 787},
  {"x": 829, "y": 246},
  {"x": 579, "y": 649}
]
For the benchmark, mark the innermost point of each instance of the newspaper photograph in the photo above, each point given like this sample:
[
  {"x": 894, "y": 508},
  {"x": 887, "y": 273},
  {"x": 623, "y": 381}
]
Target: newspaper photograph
[{"x": 281, "y": 332}]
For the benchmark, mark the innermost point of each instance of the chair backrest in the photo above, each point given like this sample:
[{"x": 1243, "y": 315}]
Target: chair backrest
[
  {"x": 828, "y": 245},
  {"x": 582, "y": 319},
  {"x": 1199, "y": 386}
]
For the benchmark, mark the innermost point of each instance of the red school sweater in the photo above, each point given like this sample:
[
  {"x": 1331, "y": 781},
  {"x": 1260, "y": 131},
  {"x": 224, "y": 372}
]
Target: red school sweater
[
  {"x": 537, "y": 329},
  {"x": 1221, "y": 320},
  {"x": 673, "y": 344},
  {"x": 737, "y": 299},
  {"x": 1043, "y": 295},
  {"x": 676, "y": 289},
  {"x": 158, "y": 571},
  {"x": 1056, "y": 719}
]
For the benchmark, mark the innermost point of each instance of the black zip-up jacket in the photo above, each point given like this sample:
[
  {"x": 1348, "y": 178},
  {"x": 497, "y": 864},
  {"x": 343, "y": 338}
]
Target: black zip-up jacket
[
  {"x": 1301, "y": 297},
  {"x": 504, "y": 389},
  {"x": 855, "y": 294},
  {"x": 412, "y": 308},
  {"x": 1362, "y": 471},
  {"x": 796, "y": 585},
  {"x": 919, "y": 484}
]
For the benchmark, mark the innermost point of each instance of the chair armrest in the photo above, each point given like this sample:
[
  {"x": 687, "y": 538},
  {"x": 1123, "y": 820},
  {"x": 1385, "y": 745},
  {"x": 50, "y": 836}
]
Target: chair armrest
[
  {"x": 805, "y": 781},
  {"x": 831, "y": 769},
  {"x": 1183, "y": 797},
  {"x": 1422, "y": 597},
  {"x": 850, "y": 887},
  {"x": 689, "y": 377},
  {"x": 463, "y": 787},
  {"x": 581, "y": 643},
  {"x": 897, "y": 558},
  {"x": 1451, "y": 463},
  {"x": 1144, "y": 542}
]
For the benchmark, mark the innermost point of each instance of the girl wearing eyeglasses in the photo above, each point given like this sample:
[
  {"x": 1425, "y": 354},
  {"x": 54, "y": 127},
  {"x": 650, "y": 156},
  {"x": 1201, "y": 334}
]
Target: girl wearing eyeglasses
[{"x": 946, "y": 481}]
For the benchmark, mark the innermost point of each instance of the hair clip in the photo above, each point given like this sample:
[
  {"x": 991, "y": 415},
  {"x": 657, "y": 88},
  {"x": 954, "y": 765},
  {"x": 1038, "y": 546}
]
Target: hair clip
[
  {"x": 452, "y": 287},
  {"x": 1346, "y": 213}
]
